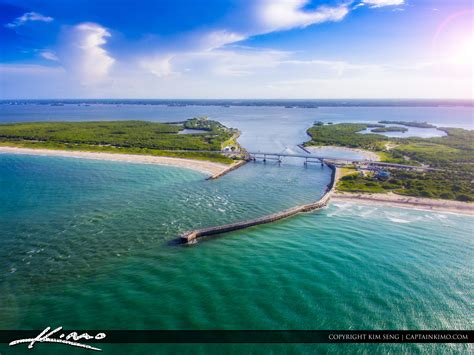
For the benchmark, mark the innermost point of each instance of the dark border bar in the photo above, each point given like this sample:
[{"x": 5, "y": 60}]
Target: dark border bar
[{"x": 257, "y": 336}]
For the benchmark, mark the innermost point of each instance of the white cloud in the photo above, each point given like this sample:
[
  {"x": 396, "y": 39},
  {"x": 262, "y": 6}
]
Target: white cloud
[
  {"x": 49, "y": 55},
  {"x": 264, "y": 16},
  {"x": 82, "y": 53},
  {"x": 277, "y": 15},
  {"x": 220, "y": 38},
  {"x": 158, "y": 66},
  {"x": 331, "y": 68},
  {"x": 236, "y": 62},
  {"x": 208, "y": 63},
  {"x": 382, "y": 3},
  {"x": 293, "y": 79},
  {"x": 27, "y": 17},
  {"x": 231, "y": 62}
]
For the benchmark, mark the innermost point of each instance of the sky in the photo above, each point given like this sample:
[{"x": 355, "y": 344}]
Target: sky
[{"x": 242, "y": 49}]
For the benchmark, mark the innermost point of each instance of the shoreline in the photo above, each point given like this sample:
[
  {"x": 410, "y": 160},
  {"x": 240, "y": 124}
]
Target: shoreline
[
  {"x": 202, "y": 166},
  {"x": 401, "y": 201},
  {"x": 369, "y": 155},
  {"x": 216, "y": 170}
]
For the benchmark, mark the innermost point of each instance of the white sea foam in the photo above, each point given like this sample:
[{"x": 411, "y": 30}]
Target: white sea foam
[{"x": 398, "y": 220}]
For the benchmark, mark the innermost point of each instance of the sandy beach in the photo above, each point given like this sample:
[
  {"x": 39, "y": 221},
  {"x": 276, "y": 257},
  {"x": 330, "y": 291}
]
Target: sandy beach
[
  {"x": 206, "y": 167},
  {"x": 395, "y": 200},
  {"x": 366, "y": 153}
]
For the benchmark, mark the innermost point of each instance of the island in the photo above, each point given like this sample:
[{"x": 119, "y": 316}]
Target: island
[
  {"x": 212, "y": 148},
  {"x": 445, "y": 164},
  {"x": 389, "y": 129},
  {"x": 415, "y": 124}
]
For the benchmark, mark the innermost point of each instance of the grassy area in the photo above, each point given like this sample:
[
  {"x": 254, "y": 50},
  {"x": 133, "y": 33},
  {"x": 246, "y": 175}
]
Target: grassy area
[
  {"x": 454, "y": 153},
  {"x": 439, "y": 185},
  {"x": 214, "y": 157},
  {"x": 345, "y": 134},
  {"x": 452, "y": 150},
  {"x": 130, "y": 134},
  {"x": 130, "y": 137}
]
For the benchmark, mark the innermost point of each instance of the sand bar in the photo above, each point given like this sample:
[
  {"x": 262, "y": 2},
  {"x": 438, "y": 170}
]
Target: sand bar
[
  {"x": 206, "y": 167},
  {"x": 367, "y": 154},
  {"x": 395, "y": 200}
]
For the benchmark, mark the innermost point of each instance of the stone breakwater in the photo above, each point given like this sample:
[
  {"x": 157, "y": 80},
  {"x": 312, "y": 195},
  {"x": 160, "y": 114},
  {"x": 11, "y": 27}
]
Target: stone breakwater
[
  {"x": 232, "y": 167},
  {"x": 192, "y": 236}
]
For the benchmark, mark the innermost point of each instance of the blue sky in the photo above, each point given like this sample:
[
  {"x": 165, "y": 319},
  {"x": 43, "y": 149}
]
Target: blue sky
[{"x": 236, "y": 49}]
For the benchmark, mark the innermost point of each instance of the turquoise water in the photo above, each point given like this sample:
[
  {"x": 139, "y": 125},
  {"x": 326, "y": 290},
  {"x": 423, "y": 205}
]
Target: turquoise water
[{"x": 90, "y": 244}]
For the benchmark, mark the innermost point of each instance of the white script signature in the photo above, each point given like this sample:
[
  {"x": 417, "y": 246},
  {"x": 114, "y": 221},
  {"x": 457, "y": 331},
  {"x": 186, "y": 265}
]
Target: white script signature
[{"x": 45, "y": 337}]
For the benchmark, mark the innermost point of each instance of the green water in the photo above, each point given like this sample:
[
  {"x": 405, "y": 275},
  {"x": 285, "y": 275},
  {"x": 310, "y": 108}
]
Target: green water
[{"x": 90, "y": 244}]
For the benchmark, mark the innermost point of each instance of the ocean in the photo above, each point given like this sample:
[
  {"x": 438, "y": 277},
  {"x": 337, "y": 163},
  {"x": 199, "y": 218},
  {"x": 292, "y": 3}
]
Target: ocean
[{"x": 91, "y": 244}]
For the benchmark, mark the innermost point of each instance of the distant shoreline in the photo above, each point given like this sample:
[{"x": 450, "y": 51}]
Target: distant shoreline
[
  {"x": 287, "y": 103},
  {"x": 391, "y": 199},
  {"x": 205, "y": 167}
]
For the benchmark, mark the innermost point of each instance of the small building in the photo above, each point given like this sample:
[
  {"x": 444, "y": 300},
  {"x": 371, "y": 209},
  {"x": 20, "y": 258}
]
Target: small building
[{"x": 382, "y": 175}]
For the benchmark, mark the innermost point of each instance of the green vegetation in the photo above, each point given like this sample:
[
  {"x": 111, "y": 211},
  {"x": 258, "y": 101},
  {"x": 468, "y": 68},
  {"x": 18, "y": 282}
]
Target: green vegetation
[
  {"x": 453, "y": 153},
  {"x": 136, "y": 137},
  {"x": 208, "y": 156},
  {"x": 439, "y": 184},
  {"x": 229, "y": 136},
  {"x": 410, "y": 124},
  {"x": 345, "y": 134},
  {"x": 126, "y": 134},
  {"x": 389, "y": 129},
  {"x": 205, "y": 124},
  {"x": 456, "y": 150}
]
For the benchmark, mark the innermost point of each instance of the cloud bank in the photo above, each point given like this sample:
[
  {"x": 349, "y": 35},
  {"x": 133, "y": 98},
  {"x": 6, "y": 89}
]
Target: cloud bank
[{"x": 214, "y": 61}]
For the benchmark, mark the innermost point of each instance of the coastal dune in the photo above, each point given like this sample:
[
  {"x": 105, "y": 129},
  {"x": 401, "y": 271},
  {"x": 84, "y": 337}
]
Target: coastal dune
[{"x": 210, "y": 168}]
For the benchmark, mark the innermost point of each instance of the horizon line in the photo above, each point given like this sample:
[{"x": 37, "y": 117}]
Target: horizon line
[{"x": 244, "y": 99}]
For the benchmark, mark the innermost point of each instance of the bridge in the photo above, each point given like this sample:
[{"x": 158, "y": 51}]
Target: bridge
[
  {"x": 192, "y": 236},
  {"x": 264, "y": 156},
  {"x": 311, "y": 158}
]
